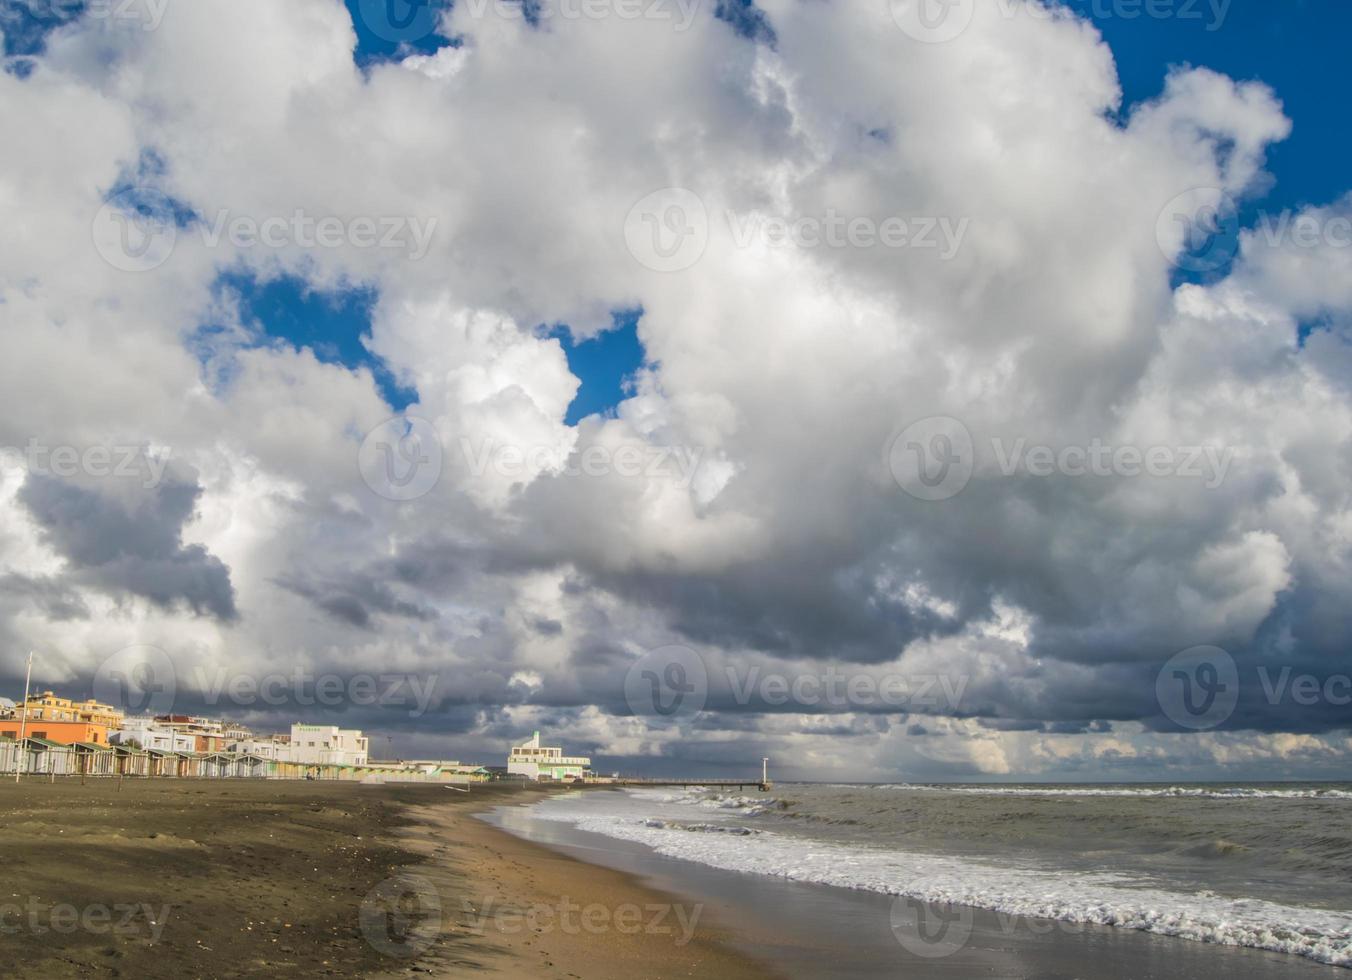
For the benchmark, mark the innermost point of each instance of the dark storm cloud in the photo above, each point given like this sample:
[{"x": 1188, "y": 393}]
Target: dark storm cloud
[
  {"x": 357, "y": 598},
  {"x": 1011, "y": 724},
  {"x": 134, "y": 547},
  {"x": 56, "y": 599},
  {"x": 1106, "y": 601},
  {"x": 546, "y": 627},
  {"x": 786, "y": 605}
]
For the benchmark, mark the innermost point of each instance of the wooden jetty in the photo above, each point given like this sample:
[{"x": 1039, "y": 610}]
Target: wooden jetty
[{"x": 763, "y": 783}]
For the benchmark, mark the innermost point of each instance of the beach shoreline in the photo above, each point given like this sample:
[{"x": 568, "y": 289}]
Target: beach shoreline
[
  {"x": 525, "y": 910},
  {"x": 815, "y": 931},
  {"x": 175, "y": 878}
]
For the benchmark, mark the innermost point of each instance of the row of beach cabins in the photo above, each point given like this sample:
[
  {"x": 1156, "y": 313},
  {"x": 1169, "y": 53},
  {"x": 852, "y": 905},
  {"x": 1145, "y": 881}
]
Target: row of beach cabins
[{"x": 44, "y": 758}]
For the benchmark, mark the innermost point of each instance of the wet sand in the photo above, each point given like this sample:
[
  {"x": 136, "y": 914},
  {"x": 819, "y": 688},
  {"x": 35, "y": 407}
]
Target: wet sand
[
  {"x": 214, "y": 878},
  {"x": 522, "y": 910}
]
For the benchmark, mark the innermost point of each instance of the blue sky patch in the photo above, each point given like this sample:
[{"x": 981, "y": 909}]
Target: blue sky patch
[
  {"x": 1289, "y": 46},
  {"x": 26, "y": 25},
  {"x": 389, "y": 30},
  {"x": 603, "y": 364},
  {"x": 332, "y": 324}
]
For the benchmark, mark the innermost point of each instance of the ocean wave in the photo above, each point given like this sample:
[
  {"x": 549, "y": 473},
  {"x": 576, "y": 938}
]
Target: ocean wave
[
  {"x": 1096, "y": 898},
  {"x": 751, "y": 806},
  {"x": 1218, "y": 793},
  {"x": 1216, "y": 850},
  {"x": 699, "y": 828}
]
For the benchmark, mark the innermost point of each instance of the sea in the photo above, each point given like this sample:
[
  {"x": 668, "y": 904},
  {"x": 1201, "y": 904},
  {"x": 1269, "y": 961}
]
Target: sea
[{"x": 1264, "y": 866}]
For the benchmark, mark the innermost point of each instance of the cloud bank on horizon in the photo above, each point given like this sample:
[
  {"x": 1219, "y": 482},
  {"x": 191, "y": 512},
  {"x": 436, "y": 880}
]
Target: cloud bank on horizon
[{"x": 960, "y": 377}]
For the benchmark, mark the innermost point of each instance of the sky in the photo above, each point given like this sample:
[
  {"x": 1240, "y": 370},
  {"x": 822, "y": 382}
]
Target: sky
[{"x": 898, "y": 390}]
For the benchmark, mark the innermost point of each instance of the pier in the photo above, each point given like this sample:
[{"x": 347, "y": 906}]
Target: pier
[{"x": 763, "y": 783}]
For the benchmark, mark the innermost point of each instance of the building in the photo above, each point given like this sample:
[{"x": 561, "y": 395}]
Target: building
[
  {"x": 235, "y": 732},
  {"x": 48, "y": 707},
  {"x": 94, "y": 713},
  {"x": 208, "y": 735},
  {"x": 326, "y": 745},
  {"x": 469, "y": 769},
  {"x": 65, "y": 732},
  {"x": 264, "y": 748},
  {"x": 147, "y": 733},
  {"x": 536, "y": 761}
]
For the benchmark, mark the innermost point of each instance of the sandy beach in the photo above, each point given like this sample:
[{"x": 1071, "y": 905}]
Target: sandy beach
[
  {"x": 519, "y": 909},
  {"x": 186, "y": 878},
  {"x": 267, "y": 879}
]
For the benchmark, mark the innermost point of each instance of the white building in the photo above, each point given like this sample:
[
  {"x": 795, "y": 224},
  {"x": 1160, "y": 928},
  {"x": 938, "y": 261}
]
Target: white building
[
  {"x": 326, "y": 745},
  {"x": 150, "y": 734},
  {"x": 264, "y": 748},
  {"x": 207, "y": 734},
  {"x": 536, "y": 761}
]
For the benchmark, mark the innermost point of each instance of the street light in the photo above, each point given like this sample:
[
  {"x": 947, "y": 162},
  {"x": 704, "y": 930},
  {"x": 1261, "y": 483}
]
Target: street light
[{"x": 19, "y": 756}]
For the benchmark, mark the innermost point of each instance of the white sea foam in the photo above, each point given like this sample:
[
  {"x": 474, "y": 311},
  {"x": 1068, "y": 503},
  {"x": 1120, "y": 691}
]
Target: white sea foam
[
  {"x": 1099, "y": 898},
  {"x": 700, "y": 797}
]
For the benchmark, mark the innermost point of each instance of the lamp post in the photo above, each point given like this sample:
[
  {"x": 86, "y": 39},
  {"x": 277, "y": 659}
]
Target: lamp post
[{"x": 19, "y": 756}]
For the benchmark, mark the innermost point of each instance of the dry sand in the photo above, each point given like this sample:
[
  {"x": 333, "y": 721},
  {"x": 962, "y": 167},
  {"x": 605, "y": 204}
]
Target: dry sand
[{"x": 213, "y": 878}]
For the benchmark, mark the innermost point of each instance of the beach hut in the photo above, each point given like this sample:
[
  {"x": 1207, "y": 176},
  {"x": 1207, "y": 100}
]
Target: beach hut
[
  {"x": 214, "y": 765},
  {"x": 250, "y": 766},
  {"x": 93, "y": 759},
  {"x": 9, "y": 754},
  {"x": 43, "y": 757},
  {"x": 130, "y": 761},
  {"x": 166, "y": 763},
  {"x": 287, "y": 770}
]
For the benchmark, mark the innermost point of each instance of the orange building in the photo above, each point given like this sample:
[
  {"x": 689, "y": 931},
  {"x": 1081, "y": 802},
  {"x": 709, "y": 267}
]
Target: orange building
[
  {"x": 65, "y": 732},
  {"x": 48, "y": 707}
]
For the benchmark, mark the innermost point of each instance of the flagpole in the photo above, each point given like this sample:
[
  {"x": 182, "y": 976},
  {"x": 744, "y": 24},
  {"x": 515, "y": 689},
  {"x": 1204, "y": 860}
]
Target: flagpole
[{"x": 21, "y": 755}]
